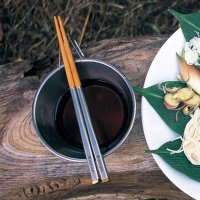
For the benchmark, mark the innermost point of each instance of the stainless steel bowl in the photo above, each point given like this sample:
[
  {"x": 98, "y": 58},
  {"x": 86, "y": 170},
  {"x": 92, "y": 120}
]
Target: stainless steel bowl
[{"x": 53, "y": 88}]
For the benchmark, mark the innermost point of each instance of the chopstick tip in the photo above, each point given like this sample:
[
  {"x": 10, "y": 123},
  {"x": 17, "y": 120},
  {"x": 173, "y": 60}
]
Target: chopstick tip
[
  {"x": 95, "y": 181},
  {"x": 105, "y": 180},
  {"x": 55, "y": 19}
]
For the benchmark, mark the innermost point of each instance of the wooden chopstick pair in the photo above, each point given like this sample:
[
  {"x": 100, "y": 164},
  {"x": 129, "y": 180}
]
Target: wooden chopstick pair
[{"x": 90, "y": 144}]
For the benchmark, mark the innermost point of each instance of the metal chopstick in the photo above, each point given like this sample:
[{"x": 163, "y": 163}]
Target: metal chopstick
[
  {"x": 91, "y": 133},
  {"x": 83, "y": 131},
  {"x": 85, "y": 111},
  {"x": 84, "y": 137},
  {"x": 93, "y": 140}
]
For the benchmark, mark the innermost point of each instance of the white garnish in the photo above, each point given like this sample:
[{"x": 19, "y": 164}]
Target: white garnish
[
  {"x": 195, "y": 44},
  {"x": 191, "y": 56},
  {"x": 176, "y": 151},
  {"x": 192, "y": 51}
]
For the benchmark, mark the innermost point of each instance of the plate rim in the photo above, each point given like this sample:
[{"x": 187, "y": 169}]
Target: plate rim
[{"x": 159, "y": 161}]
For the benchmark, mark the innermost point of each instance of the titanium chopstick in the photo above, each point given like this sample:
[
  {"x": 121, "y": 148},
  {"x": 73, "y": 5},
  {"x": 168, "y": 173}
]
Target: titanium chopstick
[
  {"x": 85, "y": 111},
  {"x": 78, "y": 111},
  {"x": 84, "y": 108}
]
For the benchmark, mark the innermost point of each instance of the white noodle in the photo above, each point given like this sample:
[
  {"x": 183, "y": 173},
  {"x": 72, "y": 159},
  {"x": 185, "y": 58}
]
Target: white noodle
[{"x": 191, "y": 140}]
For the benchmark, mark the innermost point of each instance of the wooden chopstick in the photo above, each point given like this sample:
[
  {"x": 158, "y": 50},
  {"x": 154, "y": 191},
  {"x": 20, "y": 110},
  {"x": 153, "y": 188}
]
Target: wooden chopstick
[
  {"x": 69, "y": 56},
  {"x": 85, "y": 111},
  {"x": 81, "y": 123},
  {"x": 64, "y": 56},
  {"x": 84, "y": 108}
]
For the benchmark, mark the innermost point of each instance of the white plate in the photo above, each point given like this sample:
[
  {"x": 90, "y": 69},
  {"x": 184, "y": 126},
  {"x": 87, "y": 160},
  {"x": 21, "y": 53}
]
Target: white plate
[{"x": 164, "y": 68}]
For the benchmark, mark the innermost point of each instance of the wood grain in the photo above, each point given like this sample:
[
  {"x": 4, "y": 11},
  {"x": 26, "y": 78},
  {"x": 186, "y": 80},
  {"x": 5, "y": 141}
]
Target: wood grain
[{"x": 29, "y": 171}]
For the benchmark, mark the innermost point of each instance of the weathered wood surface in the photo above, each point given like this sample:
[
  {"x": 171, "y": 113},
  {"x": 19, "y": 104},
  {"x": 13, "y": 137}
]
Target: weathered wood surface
[{"x": 29, "y": 171}]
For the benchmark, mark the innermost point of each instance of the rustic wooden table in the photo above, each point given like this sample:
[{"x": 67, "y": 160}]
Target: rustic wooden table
[{"x": 29, "y": 171}]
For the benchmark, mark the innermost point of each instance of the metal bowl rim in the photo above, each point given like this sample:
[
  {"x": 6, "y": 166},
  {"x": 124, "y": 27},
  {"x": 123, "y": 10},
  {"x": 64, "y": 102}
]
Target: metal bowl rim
[{"x": 54, "y": 72}]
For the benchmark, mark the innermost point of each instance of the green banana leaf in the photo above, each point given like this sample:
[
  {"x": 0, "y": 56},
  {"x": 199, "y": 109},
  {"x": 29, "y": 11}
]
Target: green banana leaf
[
  {"x": 178, "y": 160},
  {"x": 190, "y": 23},
  {"x": 155, "y": 98}
]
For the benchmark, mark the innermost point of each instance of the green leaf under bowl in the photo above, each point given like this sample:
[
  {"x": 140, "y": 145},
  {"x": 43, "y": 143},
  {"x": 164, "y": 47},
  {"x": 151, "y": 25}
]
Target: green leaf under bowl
[
  {"x": 155, "y": 98},
  {"x": 189, "y": 23},
  {"x": 178, "y": 161}
]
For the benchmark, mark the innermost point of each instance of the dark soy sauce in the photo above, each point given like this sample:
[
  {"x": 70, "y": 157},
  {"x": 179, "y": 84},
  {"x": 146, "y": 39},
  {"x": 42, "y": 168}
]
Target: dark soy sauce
[{"x": 107, "y": 107}]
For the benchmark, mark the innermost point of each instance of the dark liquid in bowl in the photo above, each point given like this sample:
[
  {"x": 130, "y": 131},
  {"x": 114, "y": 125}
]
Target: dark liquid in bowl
[{"x": 108, "y": 111}]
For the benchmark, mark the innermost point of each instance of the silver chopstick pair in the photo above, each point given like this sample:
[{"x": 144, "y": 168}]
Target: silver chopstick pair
[
  {"x": 91, "y": 147},
  {"x": 89, "y": 140}
]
